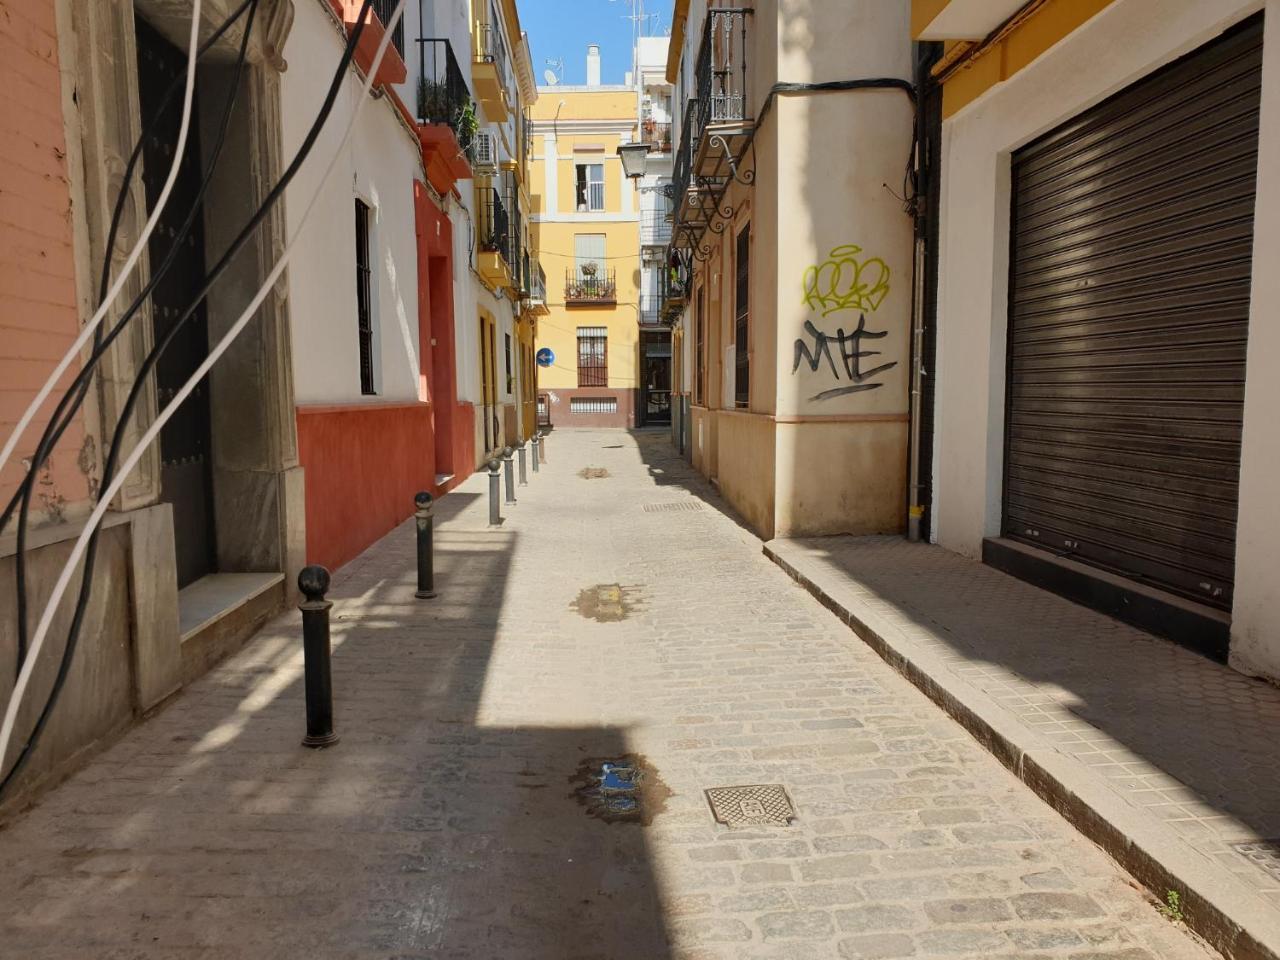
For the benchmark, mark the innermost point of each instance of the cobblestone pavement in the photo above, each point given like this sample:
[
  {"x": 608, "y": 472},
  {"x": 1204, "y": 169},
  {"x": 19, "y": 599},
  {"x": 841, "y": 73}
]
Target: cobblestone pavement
[{"x": 445, "y": 824}]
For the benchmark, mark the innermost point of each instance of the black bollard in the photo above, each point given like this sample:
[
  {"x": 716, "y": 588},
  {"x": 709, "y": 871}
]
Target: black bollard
[
  {"x": 495, "y": 481},
  {"x": 533, "y": 442},
  {"x": 542, "y": 447},
  {"x": 423, "y": 514},
  {"x": 524, "y": 475},
  {"x": 314, "y": 583},
  {"x": 509, "y": 471}
]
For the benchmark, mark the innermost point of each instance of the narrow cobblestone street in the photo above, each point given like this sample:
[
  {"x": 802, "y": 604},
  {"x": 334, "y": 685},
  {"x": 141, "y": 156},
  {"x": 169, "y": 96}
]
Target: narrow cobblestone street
[{"x": 618, "y": 612}]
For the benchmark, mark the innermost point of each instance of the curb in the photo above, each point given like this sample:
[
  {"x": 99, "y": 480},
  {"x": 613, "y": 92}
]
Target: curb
[{"x": 1215, "y": 904}]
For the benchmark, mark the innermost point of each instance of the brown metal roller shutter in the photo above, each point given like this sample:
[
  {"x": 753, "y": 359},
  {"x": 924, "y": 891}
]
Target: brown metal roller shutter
[{"x": 1129, "y": 302}]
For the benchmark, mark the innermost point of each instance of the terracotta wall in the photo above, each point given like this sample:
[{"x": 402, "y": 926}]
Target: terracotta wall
[
  {"x": 363, "y": 464},
  {"x": 38, "y": 311}
]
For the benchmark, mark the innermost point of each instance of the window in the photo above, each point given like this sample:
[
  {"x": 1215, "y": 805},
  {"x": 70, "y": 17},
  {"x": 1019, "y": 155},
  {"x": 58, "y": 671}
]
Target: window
[
  {"x": 699, "y": 351},
  {"x": 593, "y": 357},
  {"x": 741, "y": 322},
  {"x": 593, "y": 404},
  {"x": 590, "y": 186},
  {"x": 588, "y": 248},
  {"x": 364, "y": 298},
  {"x": 506, "y": 338}
]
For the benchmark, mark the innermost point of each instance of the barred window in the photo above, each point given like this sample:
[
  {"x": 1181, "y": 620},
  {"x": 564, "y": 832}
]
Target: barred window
[
  {"x": 593, "y": 357},
  {"x": 741, "y": 322},
  {"x": 364, "y": 298}
]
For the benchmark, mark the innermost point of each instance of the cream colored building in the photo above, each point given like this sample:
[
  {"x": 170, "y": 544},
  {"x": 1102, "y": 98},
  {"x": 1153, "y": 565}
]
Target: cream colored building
[
  {"x": 586, "y": 226},
  {"x": 791, "y": 264}
]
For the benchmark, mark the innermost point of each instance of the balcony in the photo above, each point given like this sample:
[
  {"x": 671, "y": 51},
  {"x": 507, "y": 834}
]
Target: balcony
[
  {"x": 693, "y": 198},
  {"x": 493, "y": 238},
  {"x": 588, "y": 287},
  {"x": 655, "y": 228},
  {"x": 650, "y": 309},
  {"x": 385, "y": 9},
  {"x": 657, "y": 135},
  {"x": 491, "y": 73},
  {"x": 723, "y": 110},
  {"x": 446, "y": 115},
  {"x": 538, "y": 290},
  {"x": 673, "y": 284}
]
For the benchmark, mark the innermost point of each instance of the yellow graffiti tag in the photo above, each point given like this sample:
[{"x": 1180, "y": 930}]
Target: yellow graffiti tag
[{"x": 844, "y": 282}]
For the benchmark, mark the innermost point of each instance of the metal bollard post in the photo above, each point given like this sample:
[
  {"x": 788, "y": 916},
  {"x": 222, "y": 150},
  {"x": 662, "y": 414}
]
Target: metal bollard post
[
  {"x": 509, "y": 469},
  {"x": 533, "y": 442},
  {"x": 542, "y": 447},
  {"x": 314, "y": 583},
  {"x": 524, "y": 475},
  {"x": 495, "y": 480},
  {"x": 424, "y": 515}
]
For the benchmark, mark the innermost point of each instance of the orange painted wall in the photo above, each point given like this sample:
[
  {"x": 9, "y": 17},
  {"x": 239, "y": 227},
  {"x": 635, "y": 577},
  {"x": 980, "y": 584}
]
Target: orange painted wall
[
  {"x": 38, "y": 312},
  {"x": 363, "y": 465}
]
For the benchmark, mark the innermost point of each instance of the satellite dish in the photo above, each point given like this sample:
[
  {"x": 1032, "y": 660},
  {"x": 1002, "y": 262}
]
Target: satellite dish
[{"x": 550, "y": 77}]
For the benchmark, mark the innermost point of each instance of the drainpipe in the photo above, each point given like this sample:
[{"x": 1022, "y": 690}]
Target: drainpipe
[{"x": 916, "y": 511}]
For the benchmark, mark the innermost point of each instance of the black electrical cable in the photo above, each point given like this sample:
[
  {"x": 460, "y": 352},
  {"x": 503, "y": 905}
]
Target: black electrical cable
[
  {"x": 74, "y": 396},
  {"x": 86, "y": 583},
  {"x": 112, "y": 234}
]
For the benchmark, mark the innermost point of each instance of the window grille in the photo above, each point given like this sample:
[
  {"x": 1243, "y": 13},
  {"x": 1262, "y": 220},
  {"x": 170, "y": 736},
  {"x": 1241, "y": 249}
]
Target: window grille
[
  {"x": 593, "y": 357},
  {"x": 593, "y": 404}
]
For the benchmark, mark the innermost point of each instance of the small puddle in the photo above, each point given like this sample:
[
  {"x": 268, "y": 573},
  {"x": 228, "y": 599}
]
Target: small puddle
[
  {"x": 605, "y": 603},
  {"x": 620, "y": 789},
  {"x": 593, "y": 473}
]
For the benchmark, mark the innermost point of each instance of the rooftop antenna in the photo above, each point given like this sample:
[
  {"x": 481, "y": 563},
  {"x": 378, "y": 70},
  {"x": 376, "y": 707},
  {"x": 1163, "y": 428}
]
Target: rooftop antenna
[{"x": 554, "y": 63}]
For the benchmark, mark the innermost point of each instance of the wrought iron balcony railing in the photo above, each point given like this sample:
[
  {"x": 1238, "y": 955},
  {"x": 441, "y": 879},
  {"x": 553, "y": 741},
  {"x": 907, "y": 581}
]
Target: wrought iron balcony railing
[
  {"x": 673, "y": 284},
  {"x": 492, "y": 50},
  {"x": 655, "y": 228},
  {"x": 538, "y": 290},
  {"x": 657, "y": 135},
  {"x": 590, "y": 284},
  {"x": 385, "y": 9},
  {"x": 443, "y": 96},
  {"x": 682, "y": 169},
  {"x": 495, "y": 225},
  {"x": 721, "y": 73},
  {"x": 650, "y": 308}
]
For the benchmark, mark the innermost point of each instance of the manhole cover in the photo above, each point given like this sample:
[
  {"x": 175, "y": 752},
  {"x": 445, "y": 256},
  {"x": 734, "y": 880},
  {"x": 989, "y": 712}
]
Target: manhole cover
[
  {"x": 1262, "y": 853},
  {"x": 605, "y": 602},
  {"x": 593, "y": 473},
  {"x": 758, "y": 805},
  {"x": 679, "y": 506},
  {"x": 620, "y": 789}
]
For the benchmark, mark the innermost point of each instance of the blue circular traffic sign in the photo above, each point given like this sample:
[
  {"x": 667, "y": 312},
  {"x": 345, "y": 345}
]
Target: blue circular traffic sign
[{"x": 545, "y": 357}]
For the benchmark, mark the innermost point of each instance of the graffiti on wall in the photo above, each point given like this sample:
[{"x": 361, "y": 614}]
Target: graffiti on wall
[{"x": 844, "y": 285}]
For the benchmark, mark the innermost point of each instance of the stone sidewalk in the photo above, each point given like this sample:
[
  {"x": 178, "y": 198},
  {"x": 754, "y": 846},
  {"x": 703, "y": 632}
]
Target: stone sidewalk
[
  {"x": 622, "y": 618},
  {"x": 1167, "y": 759}
]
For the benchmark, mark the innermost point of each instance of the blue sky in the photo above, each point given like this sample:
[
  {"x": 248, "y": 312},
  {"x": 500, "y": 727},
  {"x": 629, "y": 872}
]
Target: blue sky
[{"x": 563, "y": 28}]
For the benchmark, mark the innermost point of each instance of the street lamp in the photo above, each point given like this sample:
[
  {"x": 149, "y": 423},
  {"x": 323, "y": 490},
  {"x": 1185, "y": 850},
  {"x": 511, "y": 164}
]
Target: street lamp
[{"x": 634, "y": 157}]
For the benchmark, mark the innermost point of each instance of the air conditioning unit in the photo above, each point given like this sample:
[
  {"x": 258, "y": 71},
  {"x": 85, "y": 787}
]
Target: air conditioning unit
[
  {"x": 653, "y": 255},
  {"x": 484, "y": 152}
]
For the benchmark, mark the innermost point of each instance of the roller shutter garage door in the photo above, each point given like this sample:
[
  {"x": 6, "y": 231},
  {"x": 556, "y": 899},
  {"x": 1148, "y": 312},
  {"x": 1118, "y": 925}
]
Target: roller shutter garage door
[{"x": 1129, "y": 299}]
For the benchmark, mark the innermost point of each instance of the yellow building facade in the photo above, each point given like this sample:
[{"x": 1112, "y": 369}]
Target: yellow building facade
[{"x": 585, "y": 225}]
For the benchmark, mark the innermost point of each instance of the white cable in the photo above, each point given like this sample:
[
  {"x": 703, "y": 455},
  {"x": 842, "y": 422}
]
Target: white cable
[
  {"x": 105, "y": 498},
  {"x": 131, "y": 261}
]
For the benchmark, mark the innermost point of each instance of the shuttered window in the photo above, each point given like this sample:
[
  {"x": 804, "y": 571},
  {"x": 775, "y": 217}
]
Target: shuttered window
[
  {"x": 741, "y": 321},
  {"x": 1129, "y": 301}
]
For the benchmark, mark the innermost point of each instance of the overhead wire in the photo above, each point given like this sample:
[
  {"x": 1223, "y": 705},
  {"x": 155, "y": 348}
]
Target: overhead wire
[{"x": 86, "y": 543}]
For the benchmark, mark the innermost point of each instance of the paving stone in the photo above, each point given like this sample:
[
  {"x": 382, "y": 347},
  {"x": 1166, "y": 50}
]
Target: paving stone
[
  {"x": 766, "y": 872},
  {"x": 877, "y": 916},
  {"x": 1054, "y": 906},
  {"x": 834, "y": 868},
  {"x": 796, "y": 925},
  {"x": 972, "y": 910},
  {"x": 711, "y": 930}
]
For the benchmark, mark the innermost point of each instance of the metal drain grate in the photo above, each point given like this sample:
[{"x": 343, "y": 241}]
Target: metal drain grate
[
  {"x": 757, "y": 805},
  {"x": 678, "y": 506},
  {"x": 1261, "y": 853}
]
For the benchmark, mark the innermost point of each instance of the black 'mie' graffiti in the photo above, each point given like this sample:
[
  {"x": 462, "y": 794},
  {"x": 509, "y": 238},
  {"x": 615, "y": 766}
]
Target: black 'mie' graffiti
[{"x": 851, "y": 356}]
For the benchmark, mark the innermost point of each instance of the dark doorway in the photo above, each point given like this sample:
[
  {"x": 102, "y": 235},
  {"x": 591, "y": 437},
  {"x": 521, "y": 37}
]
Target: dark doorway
[
  {"x": 186, "y": 469},
  {"x": 655, "y": 366}
]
